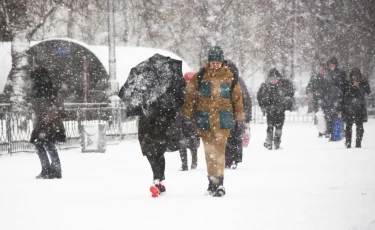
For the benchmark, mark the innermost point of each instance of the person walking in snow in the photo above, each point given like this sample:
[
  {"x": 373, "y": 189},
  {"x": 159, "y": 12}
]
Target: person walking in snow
[
  {"x": 315, "y": 89},
  {"x": 189, "y": 137},
  {"x": 335, "y": 84},
  {"x": 275, "y": 96},
  {"x": 48, "y": 123},
  {"x": 234, "y": 150},
  {"x": 155, "y": 92},
  {"x": 354, "y": 106},
  {"x": 212, "y": 93}
]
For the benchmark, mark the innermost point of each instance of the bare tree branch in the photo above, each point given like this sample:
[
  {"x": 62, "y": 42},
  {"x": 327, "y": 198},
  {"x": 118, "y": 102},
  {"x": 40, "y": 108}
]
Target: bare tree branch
[{"x": 42, "y": 21}]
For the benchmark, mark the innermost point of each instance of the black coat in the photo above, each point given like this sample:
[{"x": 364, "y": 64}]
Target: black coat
[
  {"x": 157, "y": 128},
  {"x": 316, "y": 88},
  {"x": 276, "y": 98},
  {"x": 48, "y": 109},
  {"x": 246, "y": 101},
  {"x": 354, "y": 104},
  {"x": 186, "y": 133}
]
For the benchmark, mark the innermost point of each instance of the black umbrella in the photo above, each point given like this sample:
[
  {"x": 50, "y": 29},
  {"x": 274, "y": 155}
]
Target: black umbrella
[{"x": 150, "y": 81}]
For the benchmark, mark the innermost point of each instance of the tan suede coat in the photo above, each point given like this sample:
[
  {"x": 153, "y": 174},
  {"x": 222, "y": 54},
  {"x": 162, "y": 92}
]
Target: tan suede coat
[{"x": 213, "y": 102}]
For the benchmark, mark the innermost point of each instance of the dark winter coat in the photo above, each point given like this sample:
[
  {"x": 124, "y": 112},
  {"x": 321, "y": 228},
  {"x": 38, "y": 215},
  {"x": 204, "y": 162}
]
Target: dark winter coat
[
  {"x": 332, "y": 95},
  {"x": 48, "y": 109},
  {"x": 157, "y": 130},
  {"x": 246, "y": 100},
  {"x": 276, "y": 98},
  {"x": 316, "y": 88},
  {"x": 354, "y": 104},
  {"x": 338, "y": 78},
  {"x": 187, "y": 132}
]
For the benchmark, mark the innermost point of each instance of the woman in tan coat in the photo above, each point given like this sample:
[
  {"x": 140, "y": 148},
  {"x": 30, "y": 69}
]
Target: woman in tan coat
[{"x": 219, "y": 102}]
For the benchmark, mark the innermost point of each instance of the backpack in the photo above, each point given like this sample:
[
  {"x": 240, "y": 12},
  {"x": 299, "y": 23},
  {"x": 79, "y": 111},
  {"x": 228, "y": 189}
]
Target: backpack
[{"x": 234, "y": 70}]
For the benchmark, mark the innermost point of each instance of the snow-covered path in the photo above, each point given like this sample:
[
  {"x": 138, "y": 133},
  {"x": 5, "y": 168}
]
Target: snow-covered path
[{"x": 309, "y": 184}]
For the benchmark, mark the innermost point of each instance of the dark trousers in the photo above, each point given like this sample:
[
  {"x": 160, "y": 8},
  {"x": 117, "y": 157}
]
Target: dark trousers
[
  {"x": 233, "y": 150},
  {"x": 275, "y": 121},
  {"x": 359, "y": 132},
  {"x": 157, "y": 163},
  {"x": 184, "y": 159},
  {"x": 45, "y": 149},
  {"x": 330, "y": 115}
]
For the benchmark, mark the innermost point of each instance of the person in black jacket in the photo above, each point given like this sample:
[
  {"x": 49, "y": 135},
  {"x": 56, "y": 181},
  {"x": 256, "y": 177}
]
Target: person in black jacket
[
  {"x": 48, "y": 124},
  {"x": 354, "y": 106},
  {"x": 335, "y": 83},
  {"x": 275, "y": 96},
  {"x": 233, "y": 150},
  {"x": 158, "y": 133},
  {"x": 315, "y": 89}
]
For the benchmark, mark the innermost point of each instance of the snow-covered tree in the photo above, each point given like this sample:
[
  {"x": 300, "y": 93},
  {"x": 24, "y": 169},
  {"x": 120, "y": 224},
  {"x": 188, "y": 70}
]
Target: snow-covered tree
[{"x": 22, "y": 19}]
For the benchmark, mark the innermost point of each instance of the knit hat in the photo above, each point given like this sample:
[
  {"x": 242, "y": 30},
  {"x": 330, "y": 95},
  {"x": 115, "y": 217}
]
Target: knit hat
[
  {"x": 355, "y": 71},
  {"x": 333, "y": 60},
  {"x": 216, "y": 53},
  {"x": 273, "y": 73}
]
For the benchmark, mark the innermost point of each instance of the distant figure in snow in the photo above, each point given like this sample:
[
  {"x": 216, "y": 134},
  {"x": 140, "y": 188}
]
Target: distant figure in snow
[
  {"x": 354, "y": 106},
  {"x": 189, "y": 137},
  {"x": 48, "y": 124},
  {"x": 275, "y": 96}
]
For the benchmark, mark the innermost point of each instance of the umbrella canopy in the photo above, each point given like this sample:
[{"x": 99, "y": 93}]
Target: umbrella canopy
[{"x": 149, "y": 81}]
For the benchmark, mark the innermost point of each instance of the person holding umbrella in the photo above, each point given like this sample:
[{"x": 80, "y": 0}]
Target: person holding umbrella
[
  {"x": 211, "y": 92},
  {"x": 155, "y": 91}
]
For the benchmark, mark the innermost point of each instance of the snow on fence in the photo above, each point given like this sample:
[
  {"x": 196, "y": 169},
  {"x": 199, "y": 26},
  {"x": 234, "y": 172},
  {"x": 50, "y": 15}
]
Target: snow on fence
[{"x": 16, "y": 128}]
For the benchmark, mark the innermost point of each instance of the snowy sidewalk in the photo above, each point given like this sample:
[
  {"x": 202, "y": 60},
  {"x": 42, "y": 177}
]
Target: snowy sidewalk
[{"x": 309, "y": 184}]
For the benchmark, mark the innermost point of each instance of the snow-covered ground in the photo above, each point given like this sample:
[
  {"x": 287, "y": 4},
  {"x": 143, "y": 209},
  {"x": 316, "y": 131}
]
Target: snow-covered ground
[{"x": 309, "y": 184}]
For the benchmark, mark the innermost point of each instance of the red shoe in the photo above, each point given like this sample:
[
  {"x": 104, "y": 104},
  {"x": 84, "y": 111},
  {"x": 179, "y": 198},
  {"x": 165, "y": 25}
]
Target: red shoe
[{"x": 157, "y": 189}]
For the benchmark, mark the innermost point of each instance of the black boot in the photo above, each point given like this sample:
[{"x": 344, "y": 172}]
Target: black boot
[
  {"x": 194, "y": 158},
  {"x": 220, "y": 190},
  {"x": 44, "y": 174},
  {"x": 360, "y": 132},
  {"x": 211, "y": 186},
  {"x": 183, "y": 155},
  {"x": 348, "y": 135},
  {"x": 44, "y": 162},
  {"x": 358, "y": 144},
  {"x": 277, "y": 139},
  {"x": 55, "y": 171},
  {"x": 269, "y": 140}
]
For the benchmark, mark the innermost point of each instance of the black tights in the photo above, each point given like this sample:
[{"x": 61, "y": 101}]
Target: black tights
[
  {"x": 157, "y": 163},
  {"x": 359, "y": 131}
]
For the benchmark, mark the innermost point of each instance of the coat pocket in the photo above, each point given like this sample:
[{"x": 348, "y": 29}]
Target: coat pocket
[
  {"x": 226, "y": 119},
  {"x": 203, "y": 121},
  {"x": 205, "y": 89},
  {"x": 225, "y": 90}
]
